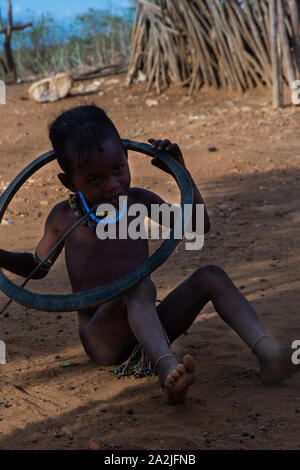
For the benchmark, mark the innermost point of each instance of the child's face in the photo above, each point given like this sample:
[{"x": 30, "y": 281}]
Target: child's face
[{"x": 106, "y": 176}]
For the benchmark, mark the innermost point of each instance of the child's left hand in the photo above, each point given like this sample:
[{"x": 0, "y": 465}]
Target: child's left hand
[{"x": 172, "y": 149}]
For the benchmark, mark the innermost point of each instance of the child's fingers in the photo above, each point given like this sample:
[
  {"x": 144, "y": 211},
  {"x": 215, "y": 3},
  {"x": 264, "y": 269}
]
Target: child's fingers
[
  {"x": 163, "y": 144},
  {"x": 154, "y": 141},
  {"x": 159, "y": 144},
  {"x": 172, "y": 147}
]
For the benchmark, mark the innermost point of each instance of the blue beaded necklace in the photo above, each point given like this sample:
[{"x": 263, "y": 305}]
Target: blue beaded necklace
[{"x": 96, "y": 219}]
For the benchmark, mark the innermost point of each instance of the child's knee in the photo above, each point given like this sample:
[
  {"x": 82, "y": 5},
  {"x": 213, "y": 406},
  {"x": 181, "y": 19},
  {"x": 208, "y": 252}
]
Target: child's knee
[
  {"x": 144, "y": 290},
  {"x": 208, "y": 277},
  {"x": 94, "y": 348},
  {"x": 84, "y": 336}
]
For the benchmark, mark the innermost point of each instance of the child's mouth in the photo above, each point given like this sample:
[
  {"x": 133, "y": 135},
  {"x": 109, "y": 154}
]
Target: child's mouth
[{"x": 113, "y": 200}]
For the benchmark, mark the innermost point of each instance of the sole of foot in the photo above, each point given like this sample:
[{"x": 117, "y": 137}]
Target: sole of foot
[{"x": 179, "y": 381}]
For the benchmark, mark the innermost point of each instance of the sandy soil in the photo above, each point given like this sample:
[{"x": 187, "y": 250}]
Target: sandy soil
[{"x": 250, "y": 184}]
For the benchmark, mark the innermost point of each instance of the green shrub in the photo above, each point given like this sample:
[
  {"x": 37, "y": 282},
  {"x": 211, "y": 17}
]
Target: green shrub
[{"x": 94, "y": 39}]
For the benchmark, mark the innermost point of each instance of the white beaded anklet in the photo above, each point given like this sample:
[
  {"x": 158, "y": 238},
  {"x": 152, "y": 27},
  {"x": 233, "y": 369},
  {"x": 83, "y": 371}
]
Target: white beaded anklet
[
  {"x": 256, "y": 340},
  {"x": 159, "y": 359}
]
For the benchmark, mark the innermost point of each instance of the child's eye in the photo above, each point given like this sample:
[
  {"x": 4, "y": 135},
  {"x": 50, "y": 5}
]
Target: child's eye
[
  {"x": 118, "y": 168},
  {"x": 94, "y": 180}
]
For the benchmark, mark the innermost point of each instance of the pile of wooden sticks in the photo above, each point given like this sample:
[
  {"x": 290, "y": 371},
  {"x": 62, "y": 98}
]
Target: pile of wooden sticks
[{"x": 220, "y": 43}]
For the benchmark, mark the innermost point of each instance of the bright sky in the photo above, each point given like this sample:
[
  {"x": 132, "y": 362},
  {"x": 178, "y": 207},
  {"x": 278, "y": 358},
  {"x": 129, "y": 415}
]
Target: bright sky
[{"x": 62, "y": 9}]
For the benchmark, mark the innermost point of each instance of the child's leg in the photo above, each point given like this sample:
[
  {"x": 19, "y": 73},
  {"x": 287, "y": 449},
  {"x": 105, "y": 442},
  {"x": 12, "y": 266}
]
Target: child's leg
[
  {"x": 180, "y": 308},
  {"x": 143, "y": 320},
  {"x": 105, "y": 334}
]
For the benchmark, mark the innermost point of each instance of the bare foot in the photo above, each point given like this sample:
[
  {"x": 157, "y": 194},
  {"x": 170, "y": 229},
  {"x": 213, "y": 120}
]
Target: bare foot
[
  {"x": 179, "y": 380},
  {"x": 278, "y": 368}
]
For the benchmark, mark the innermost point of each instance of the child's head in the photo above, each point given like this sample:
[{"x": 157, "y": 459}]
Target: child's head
[{"x": 90, "y": 152}]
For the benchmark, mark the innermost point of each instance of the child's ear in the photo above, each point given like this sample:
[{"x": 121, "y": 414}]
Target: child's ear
[
  {"x": 125, "y": 150},
  {"x": 66, "y": 181}
]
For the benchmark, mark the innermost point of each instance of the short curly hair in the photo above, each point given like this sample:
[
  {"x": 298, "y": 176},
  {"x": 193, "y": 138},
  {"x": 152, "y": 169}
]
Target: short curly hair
[{"x": 83, "y": 129}]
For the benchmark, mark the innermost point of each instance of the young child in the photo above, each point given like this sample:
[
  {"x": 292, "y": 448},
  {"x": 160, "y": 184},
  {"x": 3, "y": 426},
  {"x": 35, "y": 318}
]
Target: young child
[{"x": 94, "y": 162}]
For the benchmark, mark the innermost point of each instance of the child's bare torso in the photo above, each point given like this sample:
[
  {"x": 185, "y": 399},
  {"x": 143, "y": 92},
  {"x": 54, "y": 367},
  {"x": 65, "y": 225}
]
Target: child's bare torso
[{"x": 92, "y": 262}]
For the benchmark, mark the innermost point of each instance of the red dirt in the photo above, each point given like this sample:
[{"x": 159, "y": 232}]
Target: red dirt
[{"x": 251, "y": 187}]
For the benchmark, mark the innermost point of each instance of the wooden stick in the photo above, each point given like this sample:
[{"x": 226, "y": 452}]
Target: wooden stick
[
  {"x": 284, "y": 40},
  {"x": 294, "y": 11},
  {"x": 277, "y": 96},
  {"x": 7, "y": 39},
  {"x": 217, "y": 42},
  {"x": 2, "y": 63},
  {"x": 17, "y": 27}
]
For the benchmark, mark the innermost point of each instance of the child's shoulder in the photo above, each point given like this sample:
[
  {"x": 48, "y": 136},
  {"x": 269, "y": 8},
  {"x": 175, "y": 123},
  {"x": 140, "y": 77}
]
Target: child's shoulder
[
  {"x": 137, "y": 195},
  {"x": 60, "y": 209},
  {"x": 144, "y": 196},
  {"x": 57, "y": 217},
  {"x": 136, "y": 192}
]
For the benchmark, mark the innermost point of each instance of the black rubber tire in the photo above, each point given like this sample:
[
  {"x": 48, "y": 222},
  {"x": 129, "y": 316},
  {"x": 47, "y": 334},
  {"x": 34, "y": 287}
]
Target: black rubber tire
[{"x": 96, "y": 296}]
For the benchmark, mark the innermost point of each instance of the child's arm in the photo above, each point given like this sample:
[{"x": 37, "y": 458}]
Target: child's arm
[
  {"x": 151, "y": 198},
  {"x": 23, "y": 264}
]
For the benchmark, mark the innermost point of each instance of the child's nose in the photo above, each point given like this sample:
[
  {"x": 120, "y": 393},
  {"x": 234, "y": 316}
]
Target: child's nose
[{"x": 112, "y": 183}]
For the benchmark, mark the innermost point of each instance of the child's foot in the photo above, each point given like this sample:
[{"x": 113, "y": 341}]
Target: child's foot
[
  {"x": 278, "y": 367},
  {"x": 179, "y": 380}
]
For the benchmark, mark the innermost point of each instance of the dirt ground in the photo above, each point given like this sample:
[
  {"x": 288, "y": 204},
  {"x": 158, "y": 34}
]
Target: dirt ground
[{"x": 250, "y": 184}]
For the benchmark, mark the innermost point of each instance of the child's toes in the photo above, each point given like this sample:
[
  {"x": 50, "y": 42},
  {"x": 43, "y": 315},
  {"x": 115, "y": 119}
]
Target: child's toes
[
  {"x": 176, "y": 373},
  {"x": 180, "y": 380},
  {"x": 180, "y": 369},
  {"x": 189, "y": 363},
  {"x": 171, "y": 379}
]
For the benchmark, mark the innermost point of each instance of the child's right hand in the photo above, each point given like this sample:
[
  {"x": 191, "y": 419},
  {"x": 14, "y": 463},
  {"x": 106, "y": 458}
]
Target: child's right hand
[{"x": 172, "y": 149}]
